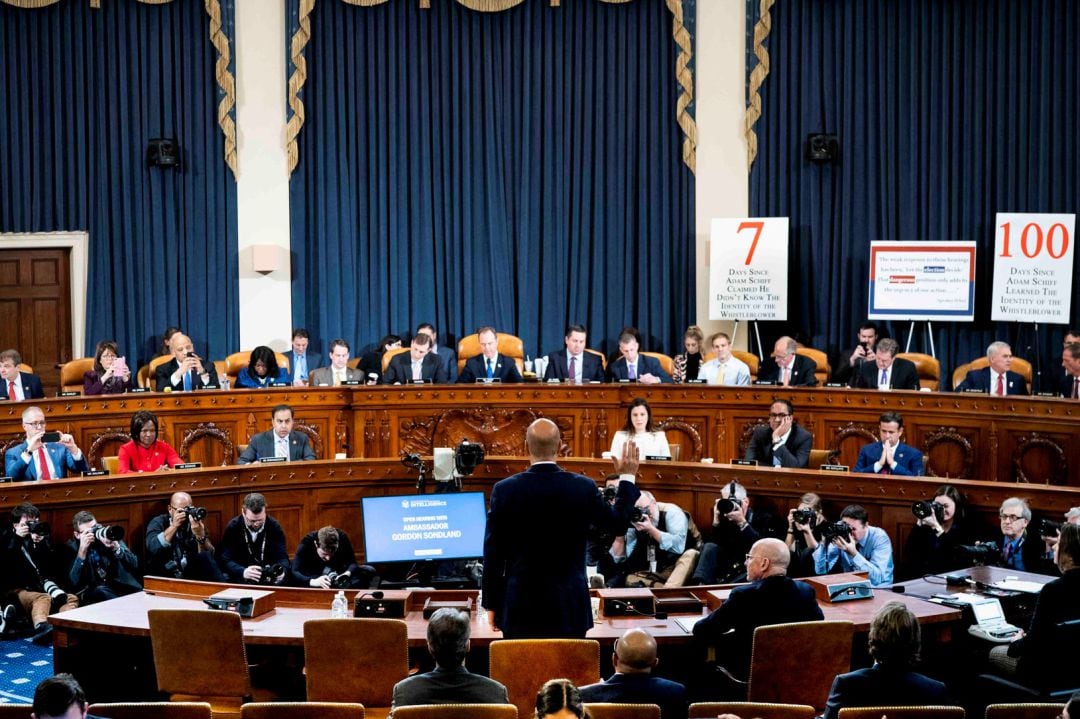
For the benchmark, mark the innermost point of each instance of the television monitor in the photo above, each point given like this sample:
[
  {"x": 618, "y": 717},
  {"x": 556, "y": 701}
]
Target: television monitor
[{"x": 418, "y": 527}]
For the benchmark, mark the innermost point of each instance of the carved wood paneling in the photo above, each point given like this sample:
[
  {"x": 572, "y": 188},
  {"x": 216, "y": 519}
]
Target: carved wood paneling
[
  {"x": 313, "y": 437},
  {"x": 744, "y": 438},
  {"x": 948, "y": 437},
  {"x": 208, "y": 430},
  {"x": 691, "y": 432},
  {"x": 117, "y": 434},
  {"x": 1053, "y": 470}
]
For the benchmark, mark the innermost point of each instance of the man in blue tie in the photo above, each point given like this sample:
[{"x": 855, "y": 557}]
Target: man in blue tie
[
  {"x": 186, "y": 371},
  {"x": 301, "y": 362},
  {"x": 489, "y": 365}
]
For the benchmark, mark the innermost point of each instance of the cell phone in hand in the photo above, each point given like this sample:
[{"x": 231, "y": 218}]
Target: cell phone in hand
[
  {"x": 50, "y": 437},
  {"x": 119, "y": 365}
]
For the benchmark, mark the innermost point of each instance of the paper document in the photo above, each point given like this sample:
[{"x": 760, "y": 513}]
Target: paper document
[
  {"x": 687, "y": 623},
  {"x": 1019, "y": 585}
]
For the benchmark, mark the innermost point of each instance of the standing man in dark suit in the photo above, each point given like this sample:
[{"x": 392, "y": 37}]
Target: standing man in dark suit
[
  {"x": 185, "y": 371},
  {"x": 887, "y": 371},
  {"x": 574, "y": 364},
  {"x": 489, "y": 364},
  {"x": 281, "y": 441},
  {"x": 445, "y": 354},
  {"x": 633, "y": 366},
  {"x": 534, "y": 543},
  {"x": 634, "y": 658},
  {"x": 788, "y": 368},
  {"x": 18, "y": 385},
  {"x": 998, "y": 379},
  {"x": 783, "y": 443},
  {"x": 889, "y": 455},
  {"x": 1070, "y": 360},
  {"x": 301, "y": 362},
  {"x": 420, "y": 364}
]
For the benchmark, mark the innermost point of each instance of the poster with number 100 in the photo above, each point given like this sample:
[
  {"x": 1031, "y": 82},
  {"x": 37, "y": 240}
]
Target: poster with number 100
[
  {"x": 748, "y": 269},
  {"x": 1033, "y": 267}
]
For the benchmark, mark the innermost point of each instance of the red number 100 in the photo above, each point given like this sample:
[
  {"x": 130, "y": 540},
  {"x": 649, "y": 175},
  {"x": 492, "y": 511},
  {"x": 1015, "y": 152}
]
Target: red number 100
[{"x": 1033, "y": 232}]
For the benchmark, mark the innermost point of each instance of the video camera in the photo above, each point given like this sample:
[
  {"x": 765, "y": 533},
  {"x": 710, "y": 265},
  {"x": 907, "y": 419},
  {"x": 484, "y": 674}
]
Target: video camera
[
  {"x": 467, "y": 457},
  {"x": 609, "y": 493},
  {"x": 833, "y": 530},
  {"x": 922, "y": 510}
]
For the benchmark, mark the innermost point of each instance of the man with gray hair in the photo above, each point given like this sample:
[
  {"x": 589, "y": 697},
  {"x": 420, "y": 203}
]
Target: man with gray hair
[
  {"x": 450, "y": 682},
  {"x": 735, "y": 528},
  {"x": 1019, "y": 548},
  {"x": 998, "y": 379},
  {"x": 887, "y": 371},
  {"x": 787, "y": 368}
]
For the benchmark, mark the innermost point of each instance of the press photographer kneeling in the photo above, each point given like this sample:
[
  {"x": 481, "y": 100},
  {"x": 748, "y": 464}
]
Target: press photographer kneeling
[
  {"x": 103, "y": 568},
  {"x": 177, "y": 543}
]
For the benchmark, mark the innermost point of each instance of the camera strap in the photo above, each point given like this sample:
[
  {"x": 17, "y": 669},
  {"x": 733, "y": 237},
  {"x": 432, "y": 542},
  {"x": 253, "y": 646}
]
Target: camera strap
[{"x": 259, "y": 542}]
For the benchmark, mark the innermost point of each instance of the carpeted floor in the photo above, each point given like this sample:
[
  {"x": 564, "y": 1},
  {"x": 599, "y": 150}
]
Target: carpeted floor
[{"x": 22, "y": 665}]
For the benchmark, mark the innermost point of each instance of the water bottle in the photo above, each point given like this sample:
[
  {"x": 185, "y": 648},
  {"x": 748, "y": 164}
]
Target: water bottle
[{"x": 340, "y": 607}]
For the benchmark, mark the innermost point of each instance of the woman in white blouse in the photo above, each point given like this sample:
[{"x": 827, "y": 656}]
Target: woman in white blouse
[{"x": 639, "y": 427}]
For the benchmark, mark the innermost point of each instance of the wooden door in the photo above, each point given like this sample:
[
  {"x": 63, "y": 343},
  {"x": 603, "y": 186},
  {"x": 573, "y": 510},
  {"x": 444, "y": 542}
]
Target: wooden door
[{"x": 35, "y": 302}]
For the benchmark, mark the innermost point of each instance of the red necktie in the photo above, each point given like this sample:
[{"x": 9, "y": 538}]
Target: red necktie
[
  {"x": 1001, "y": 386},
  {"x": 11, "y": 391},
  {"x": 44, "y": 464},
  {"x": 785, "y": 377}
]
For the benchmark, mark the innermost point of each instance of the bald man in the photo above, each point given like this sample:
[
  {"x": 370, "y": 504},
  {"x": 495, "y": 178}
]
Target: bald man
[
  {"x": 186, "y": 371},
  {"x": 534, "y": 543},
  {"x": 177, "y": 544},
  {"x": 633, "y": 683},
  {"x": 787, "y": 368},
  {"x": 771, "y": 598}
]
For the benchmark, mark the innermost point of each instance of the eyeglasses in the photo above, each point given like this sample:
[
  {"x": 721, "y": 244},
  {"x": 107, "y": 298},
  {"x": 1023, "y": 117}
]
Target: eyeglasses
[
  {"x": 1010, "y": 518},
  {"x": 749, "y": 557},
  {"x": 38, "y": 423},
  {"x": 778, "y": 416}
]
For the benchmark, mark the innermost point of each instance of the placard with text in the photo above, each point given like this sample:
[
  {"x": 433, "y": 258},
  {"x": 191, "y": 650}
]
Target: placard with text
[
  {"x": 748, "y": 269},
  {"x": 1033, "y": 267},
  {"x": 922, "y": 281}
]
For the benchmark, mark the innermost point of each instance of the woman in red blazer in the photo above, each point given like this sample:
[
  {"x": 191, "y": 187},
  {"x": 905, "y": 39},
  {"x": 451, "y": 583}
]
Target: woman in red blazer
[{"x": 145, "y": 452}]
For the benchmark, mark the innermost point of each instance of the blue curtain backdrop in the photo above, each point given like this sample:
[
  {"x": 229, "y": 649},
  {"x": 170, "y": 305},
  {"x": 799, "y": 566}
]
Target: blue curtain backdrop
[
  {"x": 519, "y": 168},
  {"x": 947, "y": 112},
  {"x": 81, "y": 92}
]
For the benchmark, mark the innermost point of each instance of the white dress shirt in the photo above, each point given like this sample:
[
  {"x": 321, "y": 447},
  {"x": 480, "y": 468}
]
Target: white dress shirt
[{"x": 649, "y": 444}]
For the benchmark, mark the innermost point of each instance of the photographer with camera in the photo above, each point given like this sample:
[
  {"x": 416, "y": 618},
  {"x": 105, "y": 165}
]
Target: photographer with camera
[
  {"x": 647, "y": 554},
  {"x": 736, "y": 526},
  {"x": 178, "y": 545},
  {"x": 103, "y": 567},
  {"x": 847, "y": 367},
  {"x": 252, "y": 547},
  {"x": 325, "y": 559},
  {"x": 1018, "y": 548},
  {"x": 31, "y": 574},
  {"x": 850, "y": 544},
  {"x": 804, "y": 534},
  {"x": 933, "y": 547},
  {"x": 44, "y": 455}
]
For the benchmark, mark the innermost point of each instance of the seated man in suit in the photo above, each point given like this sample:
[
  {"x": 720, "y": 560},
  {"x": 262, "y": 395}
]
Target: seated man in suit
[
  {"x": 634, "y": 658},
  {"x": 847, "y": 367},
  {"x": 783, "y": 443},
  {"x": 301, "y": 362},
  {"x": 887, "y": 371},
  {"x": 895, "y": 640},
  {"x": 445, "y": 354},
  {"x": 489, "y": 364},
  {"x": 633, "y": 366},
  {"x": 450, "y": 682},
  {"x": 724, "y": 368},
  {"x": 36, "y": 459},
  {"x": 771, "y": 598},
  {"x": 574, "y": 364},
  {"x": 889, "y": 455},
  {"x": 1019, "y": 548},
  {"x": 998, "y": 379},
  {"x": 861, "y": 548},
  {"x": 339, "y": 370},
  {"x": 788, "y": 368},
  {"x": 281, "y": 441},
  {"x": 18, "y": 385},
  {"x": 418, "y": 365},
  {"x": 185, "y": 371},
  {"x": 1070, "y": 360}
]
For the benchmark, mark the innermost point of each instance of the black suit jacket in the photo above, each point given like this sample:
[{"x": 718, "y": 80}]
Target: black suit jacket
[
  {"x": 904, "y": 375},
  {"x": 802, "y": 372},
  {"x": 505, "y": 370},
  {"x": 432, "y": 369},
  {"x": 795, "y": 452},
  {"x": 592, "y": 369},
  {"x": 31, "y": 386},
  {"x": 1065, "y": 386},
  {"x": 617, "y": 370},
  {"x": 882, "y": 686},
  {"x": 165, "y": 371},
  {"x": 640, "y": 689},
  {"x": 534, "y": 549},
  {"x": 262, "y": 445},
  {"x": 980, "y": 379},
  {"x": 1059, "y": 601}
]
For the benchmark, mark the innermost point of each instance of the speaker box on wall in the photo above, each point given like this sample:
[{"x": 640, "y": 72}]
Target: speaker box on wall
[
  {"x": 163, "y": 152},
  {"x": 822, "y": 149}
]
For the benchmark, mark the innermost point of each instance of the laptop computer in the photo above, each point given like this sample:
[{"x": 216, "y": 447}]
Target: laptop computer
[{"x": 990, "y": 623}]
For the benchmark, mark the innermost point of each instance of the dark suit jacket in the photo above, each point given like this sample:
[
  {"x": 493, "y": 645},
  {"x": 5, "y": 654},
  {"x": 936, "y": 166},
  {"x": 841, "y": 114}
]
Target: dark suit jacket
[
  {"x": 646, "y": 365},
  {"x": 534, "y": 549},
  {"x": 772, "y": 600},
  {"x": 31, "y": 386},
  {"x": 795, "y": 452},
  {"x": 165, "y": 372},
  {"x": 234, "y": 552},
  {"x": 909, "y": 461},
  {"x": 802, "y": 372},
  {"x": 64, "y": 463},
  {"x": 640, "y": 689},
  {"x": 1032, "y": 553},
  {"x": 1059, "y": 601},
  {"x": 475, "y": 368},
  {"x": 592, "y": 369},
  {"x": 314, "y": 361},
  {"x": 262, "y": 445},
  {"x": 448, "y": 686},
  {"x": 400, "y": 369},
  {"x": 882, "y": 686},
  {"x": 904, "y": 375},
  {"x": 1065, "y": 386},
  {"x": 980, "y": 379},
  {"x": 449, "y": 360}
]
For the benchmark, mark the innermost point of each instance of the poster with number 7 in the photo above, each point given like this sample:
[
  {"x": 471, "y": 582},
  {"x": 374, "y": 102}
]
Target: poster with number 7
[
  {"x": 748, "y": 268},
  {"x": 1033, "y": 267}
]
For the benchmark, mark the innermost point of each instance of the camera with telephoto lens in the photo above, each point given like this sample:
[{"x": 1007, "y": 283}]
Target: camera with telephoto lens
[
  {"x": 1049, "y": 528},
  {"x": 57, "y": 595},
  {"x": 724, "y": 505},
  {"x": 833, "y": 530},
  {"x": 103, "y": 533},
  {"x": 41, "y": 529},
  {"x": 196, "y": 513},
  {"x": 610, "y": 493},
  {"x": 338, "y": 581},
  {"x": 804, "y": 516},
  {"x": 922, "y": 510},
  {"x": 639, "y": 514},
  {"x": 271, "y": 573}
]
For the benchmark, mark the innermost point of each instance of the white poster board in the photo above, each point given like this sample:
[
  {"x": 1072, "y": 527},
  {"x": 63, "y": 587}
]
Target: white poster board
[
  {"x": 922, "y": 281},
  {"x": 1033, "y": 268},
  {"x": 748, "y": 269}
]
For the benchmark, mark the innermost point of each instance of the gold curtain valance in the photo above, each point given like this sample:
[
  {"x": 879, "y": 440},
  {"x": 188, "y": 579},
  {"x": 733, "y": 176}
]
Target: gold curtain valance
[{"x": 757, "y": 76}]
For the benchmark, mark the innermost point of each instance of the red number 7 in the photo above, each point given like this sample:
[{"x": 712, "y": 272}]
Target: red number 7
[{"x": 757, "y": 226}]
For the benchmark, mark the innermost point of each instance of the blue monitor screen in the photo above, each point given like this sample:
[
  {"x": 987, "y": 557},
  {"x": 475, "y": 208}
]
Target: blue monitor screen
[{"x": 424, "y": 526}]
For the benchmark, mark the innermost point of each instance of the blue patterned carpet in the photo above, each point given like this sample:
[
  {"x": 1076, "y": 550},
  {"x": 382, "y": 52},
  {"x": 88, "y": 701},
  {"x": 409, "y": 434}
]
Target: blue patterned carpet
[{"x": 22, "y": 666}]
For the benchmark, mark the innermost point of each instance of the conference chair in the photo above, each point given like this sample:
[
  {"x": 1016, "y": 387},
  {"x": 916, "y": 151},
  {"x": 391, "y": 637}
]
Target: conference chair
[
  {"x": 213, "y": 669},
  {"x": 819, "y": 457},
  {"x": 15, "y": 711},
  {"x": 457, "y": 711},
  {"x": 390, "y": 354},
  {"x": 23, "y": 367},
  {"x": 796, "y": 663},
  {"x": 603, "y": 359},
  {"x": 666, "y": 363},
  {"x": 760, "y": 710},
  {"x": 928, "y": 368},
  {"x": 508, "y": 346},
  {"x": 1024, "y": 711},
  {"x": 523, "y": 665},
  {"x": 824, "y": 369},
  {"x": 71, "y": 374},
  {"x": 302, "y": 710},
  {"x": 158, "y": 710},
  {"x": 147, "y": 374},
  {"x": 1020, "y": 366},
  {"x": 751, "y": 361},
  {"x": 111, "y": 464},
  {"x": 606, "y": 710},
  {"x": 896, "y": 712},
  {"x": 239, "y": 360},
  {"x": 376, "y": 651}
]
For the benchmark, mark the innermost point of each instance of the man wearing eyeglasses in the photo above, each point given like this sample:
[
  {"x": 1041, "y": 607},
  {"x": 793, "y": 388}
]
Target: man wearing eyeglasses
[
  {"x": 38, "y": 460},
  {"x": 783, "y": 443},
  {"x": 1020, "y": 549}
]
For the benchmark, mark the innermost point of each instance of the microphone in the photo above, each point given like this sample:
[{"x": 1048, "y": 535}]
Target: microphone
[{"x": 377, "y": 594}]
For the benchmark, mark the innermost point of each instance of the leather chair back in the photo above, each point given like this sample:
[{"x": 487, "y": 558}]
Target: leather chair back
[
  {"x": 390, "y": 354},
  {"x": 598, "y": 353},
  {"x": 666, "y": 362},
  {"x": 796, "y": 663},
  {"x": 760, "y": 710},
  {"x": 239, "y": 360},
  {"x": 158, "y": 710},
  {"x": 508, "y": 346},
  {"x": 523, "y": 665},
  {"x": 1020, "y": 366},
  {"x": 898, "y": 712},
  {"x": 147, "y": 373},
  {"x": 824, "y": 370},
  {"x": 1024, "y": 711},
  {"x": 457, "y": 711},
  {"x": 819, "y": 457},
  {"x": 928, "y": 367},
  {"x": 606, "y": 710},
  {"x": 302, "y": 710},
  {"x": 71, "y": 374},
  {"x": 376, "y": 652},
  {"x": 111, "y": 464},
  {"x": 751, "y": 361}
]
